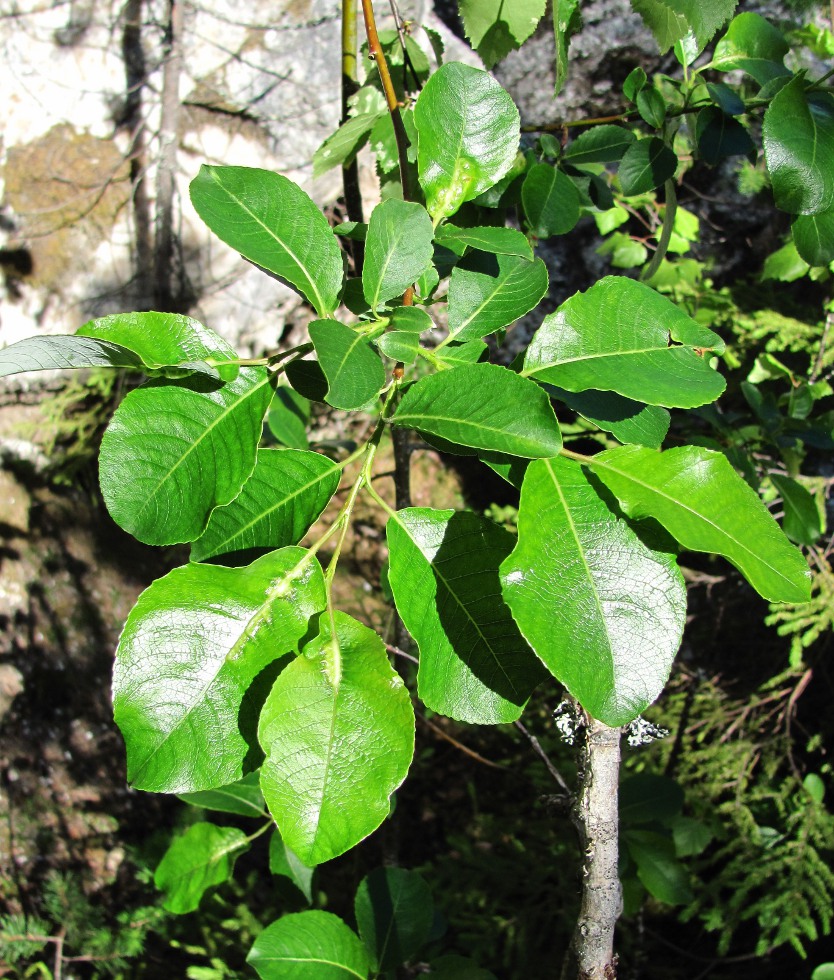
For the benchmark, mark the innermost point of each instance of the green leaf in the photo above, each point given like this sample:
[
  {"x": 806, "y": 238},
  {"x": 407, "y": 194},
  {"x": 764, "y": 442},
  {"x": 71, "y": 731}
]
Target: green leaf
[
  {"x": 289, "y": 415},
  {"x": 61, "y": 353},
  {"x": 340, "y": 149},
  {"x": 801, "y": 522},
  {"x": 484, "y": 406},
  {"x": 551, "y": 201},
  {"x": 648, "y": 798},
  {"x": 720, "y": 136},
  {"x": 394, "y": 912},
  {"x": 701, "y": 500},
  {"x": 488, "y": 292},
  {"x": 284, "y": 497},
  {"x": 749, "y": 37},
  {"x": 354, "y": 372},
  {"x": 601, "y": 144},
  {"x": 203, "y": 857},
  {"x": 567, "y": 21},
  {"x": 798, "y": 138},
  {"x": 786, "y": 264},
  {"x": 307, "y": 378},
  {"x": 192, "y": 646},
  {"x": 496, "y": 27},
  {"x": 825, "y": 971},
  {"x": 340, "y": 693},
  {"x": 412, "y": 319},
  {"x": 455, "y": 355},
  {"x": 474, "y": 664},
  {"x": 174, "y": 452},
  {"x": 243, "y": 797},
  {"x": 634, "y": 84},
  {"x": 398, "y": 250},
  {"x": 273, "y": 223},
  {"x": 646, "y": 164},
  {"x": 629, "y": 421},
  {"x": 468, "y": 129},
  {"x": 813, "y": 235},
  {"x": 726, "y": 98},
  {"x": 603, "y": 612},
  {"x": 309, "y": 946},
  {"x": 284, "y": 863},
  {"x": 165, "y": 340},
  {"x": 652, "y": 107},
  {"x": 400, "y": 345},
  {"x": 664, "y": 876},
  {"x": 616, "y": 337},
  {"x": 498, "y": 240},
  {"x": 625, "y": 252},
  {"x": 672, "y": 20},
  {"x": 691, "y": 837}
]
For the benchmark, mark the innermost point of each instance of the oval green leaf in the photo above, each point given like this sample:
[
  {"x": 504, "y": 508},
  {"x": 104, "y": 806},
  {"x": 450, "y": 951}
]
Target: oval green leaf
[
  {"x": 495, "y": 28},
  {"x": 483, "y": 406},
  {"x": 309, "y": 946},
  {"x": 604, "y": 612},
  {"x": 497, "y": 240},
  {"x": 617, "y": 337},
  {"x": 798, "y": 138},
  {"x": 646, "y": 164},
  {"x": 703, "y": 503},
  {"x": 398, "y": 250},
  {"x": 353, "y": 369},
  {"x": 474, "y": 664},
  {"x": 285, "y": 495},
  {"x": 468, "y": 129},
  {"x": 203, "y": 857},
  {"x": 627, "y": 420},
  {"x": 192, "y": 646},
  {"x": 801, "y": 522},
  {"x": 273, "y": 223},
  {"x": 394, "y": 912},
  {"x": 174, "y": 452},
  {"x": 551, "y": 201},
  {"x": 341, "y": 692},
  {"x": 600, "y": 144},
  {"x": 492, "y": 291}
]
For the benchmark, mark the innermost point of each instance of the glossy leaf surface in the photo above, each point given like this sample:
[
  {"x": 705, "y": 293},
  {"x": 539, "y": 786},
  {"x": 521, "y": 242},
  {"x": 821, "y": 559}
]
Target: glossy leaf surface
[
  {"x": 551, "y": 201},
  {"x": 499, "y": 241},
  {"x": 601, "y": 144},
  {"x": 483, "y": 406},
  {"x": 493, "y": 292},
  {"x": 468, "y": 130},
  {"x": 174, "y": 452},
  {"x": 61, "y": 352},
  {"x": 243, "y": 797},
  {"x": 798, "y": 137},
  {"x": 309, "y": 946},
  {"x": 394, "y": 912},
  {"x": 604, "y": 612},
  {"x": 273, "y": 223},
  {"x": 616, "y": 337},
  {"x": 495, "y": 27},
  {"x": 398, "y": 250},
  {"x": 701, "y": 500},
  {"x": 203, "y": 857},
  {"x": 164, "y": 340},
  {"x": 192, "y": 646},
  {"x": 352, "y": 367},
  {"x": 341, "y": 692},
  {"x": 474, "y": 664},
  {"x": 285, "y": 495}
]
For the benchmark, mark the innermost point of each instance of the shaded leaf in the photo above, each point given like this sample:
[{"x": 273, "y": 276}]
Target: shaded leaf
[
  {"x": 394, "y": 912},
  {"x": 203, "y": 857},
  {"x": 468, "y": 130},
  {"x": 273, "y": 223},
  {"x": 192, "y": 646},
  {"x": 243, "y": 797},
  {"x": 801, "y": 522},
  {"x": 495, "y": 27},
  {"x": 720, "y": 136},
  {"x": 616, "y": 337},
  {"x": 813, "y": 235},
  {"x": 703, "y": 503},
  {"x": 551, "y": 201},
  {"x": 672, "y": 20},
  {"x": 484, "y": 406},
  {"x": 649, "y": 798},
  {"x": 289, "y": 415},
  {"x": 665, "y": 878},
  {"x": 175, "y": 451},
  {"x": 285, "y": 495},
  {"x": 629, "y": 421},
  {"x": 284, "y": 863},
  {"x": 474, "y": 664},
  {"x": 341, "y": 692},
  {"x": 498, "y": 240},
  {"x": 600, "y": 144},
  {"x": 354, "y": 372},
  {"x": 492, "y": 292},
  {"x": 603, "y": 612},
  {"x": 645, "y": 165},
  {"x": 308, "y": 946}
]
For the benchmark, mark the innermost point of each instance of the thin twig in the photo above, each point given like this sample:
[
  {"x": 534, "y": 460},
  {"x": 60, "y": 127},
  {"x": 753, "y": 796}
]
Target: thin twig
[
  {"x": 400, "y": 653},
  {"x": 459, "y": 745},
  {"x": 554, "y": 772}
]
